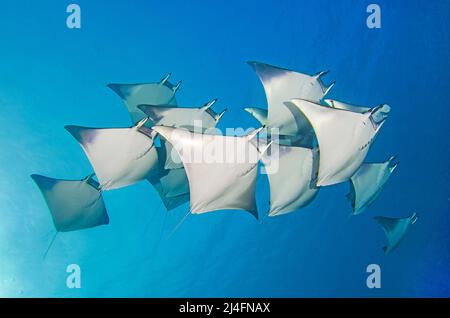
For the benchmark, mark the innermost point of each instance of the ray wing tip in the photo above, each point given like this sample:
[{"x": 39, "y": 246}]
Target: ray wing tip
[
  {"x": 254, "y": 64},
  {"x": 75, "y": 131},
  {"x": 72, "y": 129},
  {"x": 35, "y": 177}
]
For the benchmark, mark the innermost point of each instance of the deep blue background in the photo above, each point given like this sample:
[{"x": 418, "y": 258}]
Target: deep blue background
[{"x": 51, "y": 76}]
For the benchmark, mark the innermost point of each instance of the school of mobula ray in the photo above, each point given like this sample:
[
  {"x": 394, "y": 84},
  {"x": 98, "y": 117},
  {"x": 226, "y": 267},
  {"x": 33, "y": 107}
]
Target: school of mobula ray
[{"x": 320, "y": 142}]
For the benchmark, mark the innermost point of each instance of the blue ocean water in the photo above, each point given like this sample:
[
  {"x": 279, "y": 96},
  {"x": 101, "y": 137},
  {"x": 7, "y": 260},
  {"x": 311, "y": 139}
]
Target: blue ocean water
[{"x": 51, "y": 76}]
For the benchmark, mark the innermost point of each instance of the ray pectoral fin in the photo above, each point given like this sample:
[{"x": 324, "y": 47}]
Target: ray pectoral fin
[
  {"x": 259, "y": 114},
  {"x": 290, "y": 179},
  {"x": 154, "y": 112},
  {"x": 389, "y": 227},
  {"x": 149, "y": 111},
  {"x": 345, "y": 106},
  {"x": 116, "y": 153},
  {"x": 388, "y": 224},
  {"x": 297, "y": 114},
  {"x": 170, "y": 197},
  {"x": 119, "y": 90},
  {"x": 266, "y": 71},
  {"x": 76, "y": 132},
  {"x": 159, "y": 93},
  {"x": 44, "y": 183}
]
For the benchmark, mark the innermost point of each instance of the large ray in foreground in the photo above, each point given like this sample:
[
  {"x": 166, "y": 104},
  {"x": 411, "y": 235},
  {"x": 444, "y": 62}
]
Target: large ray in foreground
[
  {"x": 291, "y": 172},
  {"x": 161, "y": 93},
  {"x": 281, "y": 85},
  {"x": 221, "y": 170},
  {"x": 344, "y": 138},
  {"x": 73, "y": 204},
  {"x": 395, "y": 229},
  {"x": 119, "y": 156},
  {"x": 368, "y": 182}
]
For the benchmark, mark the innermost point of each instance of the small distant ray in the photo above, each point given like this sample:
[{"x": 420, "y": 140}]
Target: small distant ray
[
  {"x": 73, "y": 204},
  {"x": 217, "y": 185},
  {"x": 344, "y": 138},
  {"x": 281, "y": 85},
  {"x": 368, "y": 182},
  {"x": 396, "y": 229},
  {"x": 119, "y": 156},
  {"x": 160, "y": 93}
]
